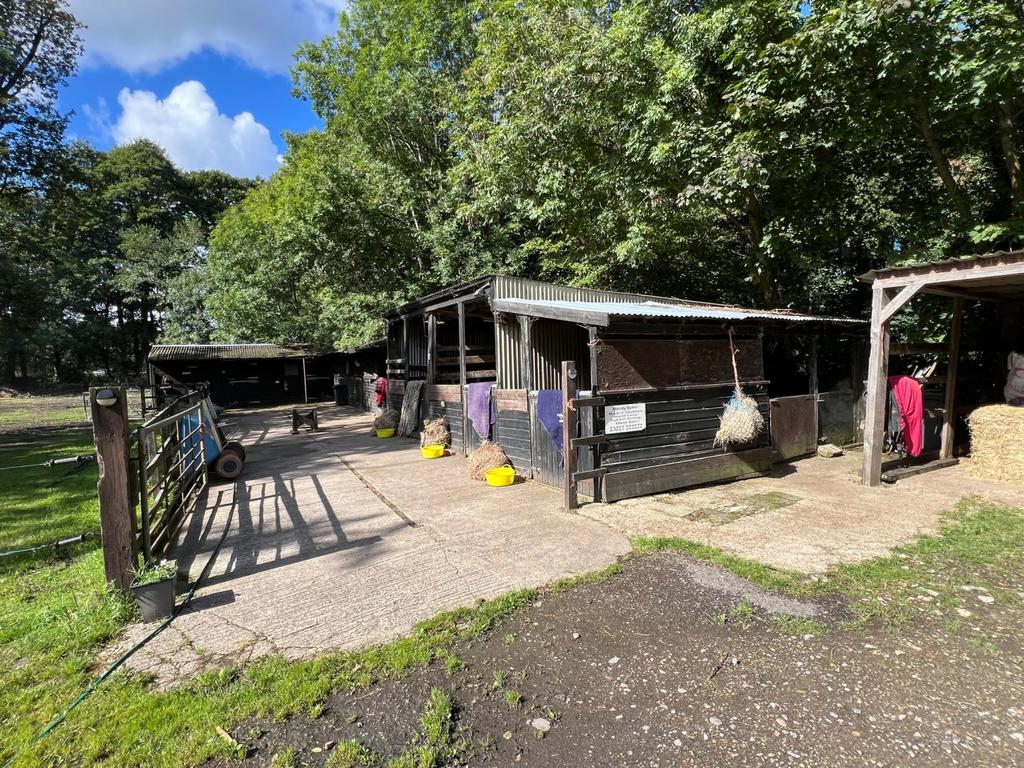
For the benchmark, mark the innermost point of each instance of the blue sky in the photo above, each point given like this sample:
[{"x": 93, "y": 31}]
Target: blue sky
[{"x": 206, "y": 79}]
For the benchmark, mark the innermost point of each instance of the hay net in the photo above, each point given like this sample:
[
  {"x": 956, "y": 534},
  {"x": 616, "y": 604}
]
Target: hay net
[
  {"x": 487, "y": 456},
  {"x": 388, "y": 419},
  {"x": 435, "y": 432},
  {"x": 741, "y": 420}
]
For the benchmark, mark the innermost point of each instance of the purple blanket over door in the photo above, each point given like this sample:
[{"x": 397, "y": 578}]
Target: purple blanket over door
[
  {"x": 549, "y": 412},
  {"x": 478, "y": 407}
]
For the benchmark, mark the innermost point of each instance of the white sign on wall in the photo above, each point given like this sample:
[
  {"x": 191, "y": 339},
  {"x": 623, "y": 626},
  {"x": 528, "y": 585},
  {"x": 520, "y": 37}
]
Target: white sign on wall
[{"x": 631, "y": 417}]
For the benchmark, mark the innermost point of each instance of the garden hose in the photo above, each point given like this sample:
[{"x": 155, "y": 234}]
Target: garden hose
[
  {"x": 79, "y": 460},
  {"x": 130, "y": 652},
  {"x": 52, "y": 545}
]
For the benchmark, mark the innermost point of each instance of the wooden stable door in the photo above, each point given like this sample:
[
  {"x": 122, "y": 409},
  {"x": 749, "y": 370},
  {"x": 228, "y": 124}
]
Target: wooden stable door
[{"x": 794, "y": 425}]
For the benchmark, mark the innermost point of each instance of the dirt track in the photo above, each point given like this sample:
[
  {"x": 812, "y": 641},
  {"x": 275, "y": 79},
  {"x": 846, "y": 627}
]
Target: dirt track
[{"x": 650, "y": 669}]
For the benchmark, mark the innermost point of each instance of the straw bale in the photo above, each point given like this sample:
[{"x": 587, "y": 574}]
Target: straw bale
[{"x": 997, "y": 443}]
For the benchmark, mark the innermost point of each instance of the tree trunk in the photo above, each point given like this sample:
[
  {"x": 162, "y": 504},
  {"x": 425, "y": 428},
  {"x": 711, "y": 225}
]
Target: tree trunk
[
  {"x": 1010, "y": 155},
  {"x": 956, "y": 193},
  {"x": 755, "y": 234}
]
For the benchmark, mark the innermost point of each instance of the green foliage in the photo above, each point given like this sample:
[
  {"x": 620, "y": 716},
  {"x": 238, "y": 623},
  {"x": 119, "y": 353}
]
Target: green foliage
[
  {"x": 112, "y": 253},
  {"x": 39, "y": 49},
  {"x": 150, "y": 574},
  {"x": 737, "y": 150}
]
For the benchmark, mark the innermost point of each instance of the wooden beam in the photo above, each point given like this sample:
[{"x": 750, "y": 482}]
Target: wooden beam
[
  {"x": 893, "y": 475},
  {"x": 965, "y": 272},
  {"x": 569, "y": 433},
  {"x": 117, "y": 511},
  {"x": 593, "y": 342},
  {"x": 897, "y": 303},
  {"x": 526, "y": 351},
  {"x": 878, "y": 366},
  {"x": 949, "y": 408},
  {"x": 581, "y": 317},
  {"x": 431, "y": 348}
]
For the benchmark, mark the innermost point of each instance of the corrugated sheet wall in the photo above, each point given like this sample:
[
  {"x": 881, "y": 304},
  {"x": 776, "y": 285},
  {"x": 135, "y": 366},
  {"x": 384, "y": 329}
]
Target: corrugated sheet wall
[{"x": 553, "y": 341}]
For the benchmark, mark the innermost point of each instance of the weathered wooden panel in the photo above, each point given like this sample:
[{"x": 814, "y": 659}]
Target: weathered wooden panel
[
  {"x": 682, "y": 474},
  {"x": 453, "y": 418},
  {"x": 794, "y": 425},
  {"x": 629, "y": 364},
  {"x": 512, "y": 399},
  {"x": 444, "y": 392},
  {"x": 512, "y": 433}
]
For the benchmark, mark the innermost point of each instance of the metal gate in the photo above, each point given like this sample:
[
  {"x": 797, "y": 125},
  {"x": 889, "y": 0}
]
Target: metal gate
[
  {"x": 794, "y": 425},
  {"x": 170, "y": 454}
]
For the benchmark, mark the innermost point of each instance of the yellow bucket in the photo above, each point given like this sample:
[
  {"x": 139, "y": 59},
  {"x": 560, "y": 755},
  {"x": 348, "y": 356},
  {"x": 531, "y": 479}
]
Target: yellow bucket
[
  {"x": 432, "y": 451},
  {"x": 500, "y": 476},
  {"x": 385, "y": 432}
]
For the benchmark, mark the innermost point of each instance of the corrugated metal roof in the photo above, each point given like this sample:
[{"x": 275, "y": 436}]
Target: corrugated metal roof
[
  {"x": 166, "y": 352},
  {"x": 600, "y": 312},
  {"x": 969, "y": 260}
]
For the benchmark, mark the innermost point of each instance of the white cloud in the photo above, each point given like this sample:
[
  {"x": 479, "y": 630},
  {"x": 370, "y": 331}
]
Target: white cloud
[
  {"x": 150, "y": 35},
  {"x": 195, "y": 134}
]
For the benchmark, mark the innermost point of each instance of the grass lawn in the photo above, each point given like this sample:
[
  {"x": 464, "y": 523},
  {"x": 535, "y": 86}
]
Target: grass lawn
[
  {"x": 55, "y": 614},
  {"x": 20, "y": 413}
]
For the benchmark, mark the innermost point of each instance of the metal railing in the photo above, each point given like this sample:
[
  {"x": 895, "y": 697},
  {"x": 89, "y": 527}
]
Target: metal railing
[{"x": 170, "y": 456}]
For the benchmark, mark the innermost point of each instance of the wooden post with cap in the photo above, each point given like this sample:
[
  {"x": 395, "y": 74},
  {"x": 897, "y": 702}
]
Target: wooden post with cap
[{"x": 109, "y": 408}]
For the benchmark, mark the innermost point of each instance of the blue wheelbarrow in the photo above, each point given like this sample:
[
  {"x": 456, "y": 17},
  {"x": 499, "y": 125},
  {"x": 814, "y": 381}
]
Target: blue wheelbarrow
[{"x": 225, "y": 458}]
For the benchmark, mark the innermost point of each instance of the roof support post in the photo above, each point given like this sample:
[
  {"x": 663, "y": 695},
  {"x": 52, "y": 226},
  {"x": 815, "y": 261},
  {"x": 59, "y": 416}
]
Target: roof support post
[
  {"x": 812, "y": 384},
  {"x": 526, "y": 351},
  {"x": 431, "y": 348},
  {"x": 462, "y": 374},
  {"x": 949, "y": 408},
  {"x": 878, "y": 367}
]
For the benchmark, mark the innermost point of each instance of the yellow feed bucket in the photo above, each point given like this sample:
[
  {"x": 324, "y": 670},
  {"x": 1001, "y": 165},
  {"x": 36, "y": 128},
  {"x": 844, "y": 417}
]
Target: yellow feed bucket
[
  {"x": 386, "y": 432},
  {"x": 432, "y": 451},
  {"x": 500, "y": 476}
]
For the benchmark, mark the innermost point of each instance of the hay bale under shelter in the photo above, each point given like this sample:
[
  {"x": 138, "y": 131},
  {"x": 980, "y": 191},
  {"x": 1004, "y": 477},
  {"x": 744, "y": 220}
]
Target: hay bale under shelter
[{"x": 997, "y": 443}]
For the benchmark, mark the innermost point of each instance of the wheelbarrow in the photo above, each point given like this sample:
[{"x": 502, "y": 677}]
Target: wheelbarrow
[{"x": 225, "y": 458}]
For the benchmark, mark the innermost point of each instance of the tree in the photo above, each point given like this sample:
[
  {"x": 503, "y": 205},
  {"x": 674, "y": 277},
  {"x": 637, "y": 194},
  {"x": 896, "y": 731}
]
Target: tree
[{"x": 39, "y": 50}]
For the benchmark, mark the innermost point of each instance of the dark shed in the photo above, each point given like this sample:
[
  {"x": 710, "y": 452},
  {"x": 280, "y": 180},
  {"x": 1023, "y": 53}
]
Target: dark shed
[{"x": 245, "y": 374}]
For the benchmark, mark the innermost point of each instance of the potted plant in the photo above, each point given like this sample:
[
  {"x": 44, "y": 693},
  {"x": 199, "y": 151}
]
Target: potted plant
[{"x": 153, "y": 587}]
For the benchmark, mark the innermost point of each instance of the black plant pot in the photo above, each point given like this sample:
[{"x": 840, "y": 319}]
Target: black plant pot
[{"x": 156, "y": 600}]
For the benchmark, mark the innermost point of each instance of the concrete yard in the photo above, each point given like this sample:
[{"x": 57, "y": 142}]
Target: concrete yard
[
  {"x": 806, "y": 516},
  {"x": 338, "y": 540}
]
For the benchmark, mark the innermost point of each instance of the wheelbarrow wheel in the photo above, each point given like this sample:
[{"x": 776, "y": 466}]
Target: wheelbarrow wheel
[
  {"x": 229, "y": 464},
  {"x": 237, "y": 447}
]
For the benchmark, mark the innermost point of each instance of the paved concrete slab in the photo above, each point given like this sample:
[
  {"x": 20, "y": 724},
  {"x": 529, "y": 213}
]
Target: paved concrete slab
[
  {"x": 338, "y": 540},
  {"x": 833, "y": 519}
]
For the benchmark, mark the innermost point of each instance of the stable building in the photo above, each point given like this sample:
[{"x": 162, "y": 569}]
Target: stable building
[
  {"x": 244, "y": 374},
  {"x": 648, "y": 378}
]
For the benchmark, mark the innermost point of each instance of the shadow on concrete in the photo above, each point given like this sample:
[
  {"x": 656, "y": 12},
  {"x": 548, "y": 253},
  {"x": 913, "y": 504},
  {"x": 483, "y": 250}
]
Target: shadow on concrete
[{"x": 269, "y": 530}]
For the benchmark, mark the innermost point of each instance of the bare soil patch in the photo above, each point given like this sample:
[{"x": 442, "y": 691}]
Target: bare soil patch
[{"x": 673, "y": 662}]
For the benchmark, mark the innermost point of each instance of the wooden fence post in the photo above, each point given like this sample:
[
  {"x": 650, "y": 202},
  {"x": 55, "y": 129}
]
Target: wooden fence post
[
  {"x": 569, "y": 431},
  {"x": 117, "y": 512}
]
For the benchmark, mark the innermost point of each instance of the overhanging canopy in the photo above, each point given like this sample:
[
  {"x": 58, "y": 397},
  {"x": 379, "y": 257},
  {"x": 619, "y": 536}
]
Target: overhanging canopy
[{"x": 602, "y": 313}]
